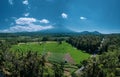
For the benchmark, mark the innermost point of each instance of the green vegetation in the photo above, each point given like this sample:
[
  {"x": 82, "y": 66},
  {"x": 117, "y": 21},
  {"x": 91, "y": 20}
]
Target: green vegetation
[
  {"x": 95, "y": 44},
  {"x": 52, "y": 47},
  {"x": 105, "y": 65},
  {"x": 69, "y": 55}
]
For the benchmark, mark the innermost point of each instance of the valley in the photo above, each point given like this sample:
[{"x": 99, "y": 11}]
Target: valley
[{"x": 59, "y": 55}]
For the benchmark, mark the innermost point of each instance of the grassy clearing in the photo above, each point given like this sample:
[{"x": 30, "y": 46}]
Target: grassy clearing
[{"x": 52, "y": 47}]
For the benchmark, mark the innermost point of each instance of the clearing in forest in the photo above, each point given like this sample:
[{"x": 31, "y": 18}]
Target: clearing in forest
[{"x": 57, "y": 50}]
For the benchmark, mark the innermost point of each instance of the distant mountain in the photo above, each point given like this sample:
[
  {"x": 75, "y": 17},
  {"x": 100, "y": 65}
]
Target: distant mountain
[
  {"x": 57, "y": 30},
  {"x": 96, "y": 32},
  {"x": 87, "y": 32},
  {"x": 65, "y": 30},
  {"x": 49, "y": 31}
]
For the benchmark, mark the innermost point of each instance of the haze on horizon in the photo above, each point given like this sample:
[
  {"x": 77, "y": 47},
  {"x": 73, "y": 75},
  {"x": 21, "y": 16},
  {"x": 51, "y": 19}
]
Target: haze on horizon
[{"x": 80, "y": 15}]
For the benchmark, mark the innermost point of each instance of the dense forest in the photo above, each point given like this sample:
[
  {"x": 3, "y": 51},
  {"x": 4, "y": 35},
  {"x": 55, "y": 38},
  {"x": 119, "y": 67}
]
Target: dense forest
[
  {"x": 31, "y": 64},
  {"x": 104, "y": 60},
  {"x": 95, "y": 43}
]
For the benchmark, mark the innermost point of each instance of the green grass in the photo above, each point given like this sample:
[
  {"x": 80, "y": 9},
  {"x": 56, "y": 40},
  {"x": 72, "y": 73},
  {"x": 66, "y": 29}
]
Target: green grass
[{"x": 52, "y": 47}]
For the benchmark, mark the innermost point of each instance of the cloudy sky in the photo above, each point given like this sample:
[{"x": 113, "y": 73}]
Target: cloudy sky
[{"x": 75, "y": 15}]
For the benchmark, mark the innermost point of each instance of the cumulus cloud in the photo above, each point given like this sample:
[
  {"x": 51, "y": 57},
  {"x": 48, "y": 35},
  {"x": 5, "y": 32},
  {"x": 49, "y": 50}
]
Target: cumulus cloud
[
  {"x": 29, "y": 28},
  {"x": 26, "y": 14},
  {"x": 83, "y": 18},
  {"x": 44, "y": 21},
  {"x": 10, "y": 2},
  {"x": 25, "y": 2},
  {"x": 24, "y": 20},
  {"x": 64, "y": 15},
  {"x": 25, "y": 24}
]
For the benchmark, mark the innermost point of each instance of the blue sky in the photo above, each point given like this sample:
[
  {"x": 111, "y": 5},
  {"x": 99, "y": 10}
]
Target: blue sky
[{"x": 75, "y": 15}]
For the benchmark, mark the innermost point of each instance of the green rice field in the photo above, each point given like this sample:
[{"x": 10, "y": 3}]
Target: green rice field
[{"x": 57, "y": 50}]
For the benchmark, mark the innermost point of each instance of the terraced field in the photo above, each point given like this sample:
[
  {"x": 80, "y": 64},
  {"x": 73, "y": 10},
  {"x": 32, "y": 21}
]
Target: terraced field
[{"x": 57, "y": 51}]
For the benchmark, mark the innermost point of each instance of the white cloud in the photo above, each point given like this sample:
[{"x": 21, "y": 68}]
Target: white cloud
[
  {"x": 29, "y": 28},
  {"x": 25, "y": 2},
  {"x": 10, "y": 2},
  {"x": 83, "y": 18},
  {"x": 26, "y": 14},
  {"x": 24, "y": 20},
  {"x": 64, "y": 15},
  {"x": 24, "y": 24},
  {"x": 44, "y": 21}
]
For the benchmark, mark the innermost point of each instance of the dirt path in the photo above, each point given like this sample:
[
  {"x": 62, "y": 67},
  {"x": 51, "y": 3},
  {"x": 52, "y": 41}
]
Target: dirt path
[{"x": 69, "y": 59}]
